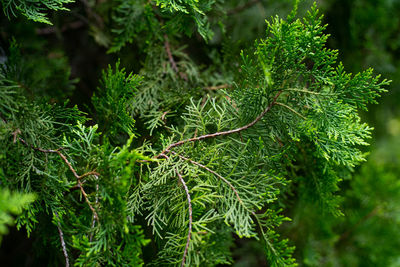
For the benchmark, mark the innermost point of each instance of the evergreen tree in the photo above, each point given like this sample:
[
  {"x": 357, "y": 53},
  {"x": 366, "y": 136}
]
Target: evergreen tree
[{"x": 176, "y": 154}]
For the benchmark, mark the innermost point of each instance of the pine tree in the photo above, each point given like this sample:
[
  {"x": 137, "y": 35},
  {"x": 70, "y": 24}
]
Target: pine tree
[{"x": 178, "y": 157}]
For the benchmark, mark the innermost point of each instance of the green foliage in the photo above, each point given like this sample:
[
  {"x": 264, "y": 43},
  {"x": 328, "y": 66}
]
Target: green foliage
[
  {"x": 190, "y": 9},
  {"x": 111, "y": 102},
  {"x": 133, "y": 18},
  {"x": 33, "y": 134},
  {"x": 34, "y": 10},
  {"x": 368, "y": 231},
  {"x": 143, "y": 19},
  {"x": 45, "y": 77},
  {"x": 204, "y": 147},
  {"x": 12, "y": 203}
]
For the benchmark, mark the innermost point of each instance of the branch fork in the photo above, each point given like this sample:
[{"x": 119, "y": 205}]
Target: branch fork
[
  {"x": 78, "y": 177},
  {"x": 168, "y": 150}
]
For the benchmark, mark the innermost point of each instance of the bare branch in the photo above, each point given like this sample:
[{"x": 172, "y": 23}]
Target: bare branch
[
  {"x": 190, "y": 216},
  {"x": 237, "y": 130},
  {"x": 61, "y": 234}
]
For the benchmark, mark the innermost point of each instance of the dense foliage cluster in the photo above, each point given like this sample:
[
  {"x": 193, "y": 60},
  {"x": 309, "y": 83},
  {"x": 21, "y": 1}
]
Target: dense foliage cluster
[{"x": 189, "y": 142}]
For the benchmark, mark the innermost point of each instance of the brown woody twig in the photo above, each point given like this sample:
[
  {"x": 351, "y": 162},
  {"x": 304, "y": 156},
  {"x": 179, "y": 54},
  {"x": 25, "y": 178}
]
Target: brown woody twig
[
  {"x": 170, "y": 57},
  {"x": 190, "y": 216},
  {"x": 96, "y": 202},
  {"x": 78, "y": 178},
  {"x": 237, "y": 130},
  {"x": 182, "y": 181},
  {"x": 61, "y": 234},
  {"x": 211, "y": 171},
  {"x": 291, "y": 109}
]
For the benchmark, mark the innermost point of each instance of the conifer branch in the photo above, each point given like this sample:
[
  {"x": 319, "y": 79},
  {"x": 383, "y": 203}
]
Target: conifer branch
[
  {"x": 211, "y": 171},
  {"x": 291, "y": 109},
  {"x": 96, "y": 202},
  {"x": 267, "y": 242},
  {"x": 190, "y": 216},
  {"x": 182, "y": 181},
  {"x": 292, "y": 59},
  {"x": 237, "y": 130},
  {"x": 78, "y": 178},
  {"x": 61, "y": 234},
  {"x": 64, "y": 158},
  {"x": 306, "y": 91}
]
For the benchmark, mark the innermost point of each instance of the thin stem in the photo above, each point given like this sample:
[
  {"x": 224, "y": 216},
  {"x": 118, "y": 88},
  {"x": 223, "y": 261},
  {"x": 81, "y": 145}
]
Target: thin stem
[
  {"x": 291, "y": 109},
  {"x": 89, "y": 173},
  {"x": 306, "y": 91},
  {"x": 190, "y": 216},
  {"x": 267, "y": 242},
  {"x": 78, "y": 178},
  {"x": 170, "y": 57},
  {"x": 96, "y": 202},
  {"x": 211, "y": 171},
  {"x": 61, "y": 234},
  {"x": 237, "y": 130}
]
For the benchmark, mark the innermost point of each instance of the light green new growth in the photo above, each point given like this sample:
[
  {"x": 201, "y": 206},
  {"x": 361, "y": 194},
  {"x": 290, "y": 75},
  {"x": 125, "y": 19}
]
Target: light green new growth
[
  {"x": 34, "y": 10},
  {"x": 12, "y": 203}
]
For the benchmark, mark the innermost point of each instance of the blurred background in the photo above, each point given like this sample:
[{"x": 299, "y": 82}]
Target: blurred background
[{"x": 366, "y": 33}]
